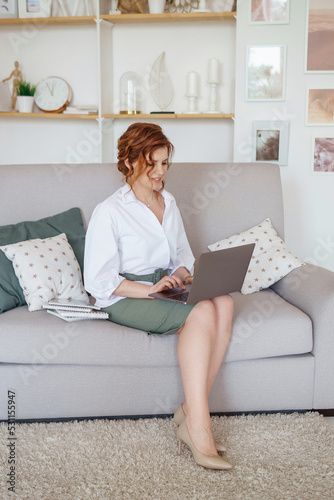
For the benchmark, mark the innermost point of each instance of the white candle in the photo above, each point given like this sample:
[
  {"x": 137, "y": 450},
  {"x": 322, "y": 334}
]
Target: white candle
[
  {"x": 192, "y": 84},
  {"x": 213, "y": 70}
]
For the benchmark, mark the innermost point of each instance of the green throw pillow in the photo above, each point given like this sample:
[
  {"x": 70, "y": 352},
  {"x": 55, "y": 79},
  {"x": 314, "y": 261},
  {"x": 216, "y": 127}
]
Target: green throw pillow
[{"x": 69, "y": 222}]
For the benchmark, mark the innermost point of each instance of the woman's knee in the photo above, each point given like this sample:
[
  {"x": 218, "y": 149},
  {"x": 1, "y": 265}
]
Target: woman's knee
[
  {"x": 225, "y": 309},
  {"x": 224, "y": 305},
  {"x": 204, "y": 313}
]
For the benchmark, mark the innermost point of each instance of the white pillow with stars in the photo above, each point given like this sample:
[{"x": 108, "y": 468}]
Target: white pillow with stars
[
  {"x": 271, "y": 260},
  {"x": 46, "y": 269}
]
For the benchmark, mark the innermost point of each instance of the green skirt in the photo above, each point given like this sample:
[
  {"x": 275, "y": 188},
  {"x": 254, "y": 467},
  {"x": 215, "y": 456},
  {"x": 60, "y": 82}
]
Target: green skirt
[{"x": 156, "y": 317}]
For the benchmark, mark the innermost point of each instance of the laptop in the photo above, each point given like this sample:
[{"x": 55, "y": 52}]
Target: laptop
[{"x": 217, "y": 273}]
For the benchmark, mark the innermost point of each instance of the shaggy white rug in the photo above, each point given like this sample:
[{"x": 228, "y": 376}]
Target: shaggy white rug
[{"x": 276, "y": 457}]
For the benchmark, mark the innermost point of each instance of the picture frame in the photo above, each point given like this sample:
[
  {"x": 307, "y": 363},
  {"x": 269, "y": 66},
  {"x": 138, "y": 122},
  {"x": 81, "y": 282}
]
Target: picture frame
[
  {"x": 319, "y": 45},
  {"x": 269, "y": 12},
  {"x": 8, "y": 9},
  {"x": 34, "y": 8},
  {"x": 320, "y": 107},
  {"x": 322, "y": 157},
  {"x": 270, "y": 142},
  {"x": 265, "y": 72}
]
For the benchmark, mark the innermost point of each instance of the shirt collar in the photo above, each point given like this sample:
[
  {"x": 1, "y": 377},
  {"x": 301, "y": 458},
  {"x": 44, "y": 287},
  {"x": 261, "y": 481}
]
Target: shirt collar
[{"x": 129, "y": 196}]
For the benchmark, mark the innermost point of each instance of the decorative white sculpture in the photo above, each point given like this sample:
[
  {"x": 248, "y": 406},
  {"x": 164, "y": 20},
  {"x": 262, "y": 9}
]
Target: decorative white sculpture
[
  {"x": 160, "y": 84},
  {"x": 192, "y": 92},
  {"x": 213, "y": 81}
]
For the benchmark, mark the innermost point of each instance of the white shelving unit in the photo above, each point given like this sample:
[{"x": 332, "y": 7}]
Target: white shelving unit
[{"x": 105, "y": 97}]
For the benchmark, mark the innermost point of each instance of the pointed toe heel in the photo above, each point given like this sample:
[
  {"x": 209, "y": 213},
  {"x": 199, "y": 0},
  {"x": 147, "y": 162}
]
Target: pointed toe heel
[
  {"x": 207, "y": 461},
  {"x": 178, "y": 418}
]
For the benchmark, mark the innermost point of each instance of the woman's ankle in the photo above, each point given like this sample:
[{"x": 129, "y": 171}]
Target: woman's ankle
[{"x": 202, "y": 438}]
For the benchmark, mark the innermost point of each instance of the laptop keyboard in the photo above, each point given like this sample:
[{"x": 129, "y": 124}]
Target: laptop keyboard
[{"x": 180, "y": 297}]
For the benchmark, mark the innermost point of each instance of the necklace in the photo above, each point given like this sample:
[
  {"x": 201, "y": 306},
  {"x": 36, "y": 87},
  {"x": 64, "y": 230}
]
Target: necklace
[{"x": 155, "y": 199}]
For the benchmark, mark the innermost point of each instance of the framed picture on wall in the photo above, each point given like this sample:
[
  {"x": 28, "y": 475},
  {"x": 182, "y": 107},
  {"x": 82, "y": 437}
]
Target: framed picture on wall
[
  {"x": 34, "y": 8},
  {"x": 265, "y": 73},
  {"x": 269, "y": 11},
  {"x": 320, "y": 107},
  {"x": 8, "y": 9},
  {"x": 322, "y": 158},
  {"x": 270, "y": 141},
  {"x": 320, "y": 36}
]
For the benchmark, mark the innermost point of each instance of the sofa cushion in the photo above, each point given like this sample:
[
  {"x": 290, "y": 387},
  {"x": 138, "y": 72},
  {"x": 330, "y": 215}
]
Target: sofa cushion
[
  {"x": 264, "y": 326},
  {"x": 68, "y": 222},
  {"x": 271, "y": 260},
  {"x": 46, "y": 269}
]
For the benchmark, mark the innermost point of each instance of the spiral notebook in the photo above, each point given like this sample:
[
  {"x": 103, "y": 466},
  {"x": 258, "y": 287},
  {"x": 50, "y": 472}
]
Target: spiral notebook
[
  {"x": 75, "y": 310},
  {"x": 78, "y": 316}
]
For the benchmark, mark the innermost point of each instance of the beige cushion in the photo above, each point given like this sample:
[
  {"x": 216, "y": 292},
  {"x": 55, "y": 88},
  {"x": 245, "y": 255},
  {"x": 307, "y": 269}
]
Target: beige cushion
[
  {"x": 46, "y": 269},
  {"x": 271, "y": 260}
]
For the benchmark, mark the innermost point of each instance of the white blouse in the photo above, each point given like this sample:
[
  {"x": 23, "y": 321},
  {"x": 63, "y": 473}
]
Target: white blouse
[{"x": 124, "y": 236}]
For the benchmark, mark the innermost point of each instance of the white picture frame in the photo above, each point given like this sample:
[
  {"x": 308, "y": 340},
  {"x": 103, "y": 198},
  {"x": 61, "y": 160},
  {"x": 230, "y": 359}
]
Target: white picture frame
[
  {"x": 320, "y": 106},
  {"x": 269, "y": 12},
  {"x": 322, "y": 155},
  {"x": 34, "y": 8},
  {"x": 319, "y": 37},
  {"x": 270, "y": 142},
  {"x": 265, "y": 72},
  {"x": 8, "y": 9}
]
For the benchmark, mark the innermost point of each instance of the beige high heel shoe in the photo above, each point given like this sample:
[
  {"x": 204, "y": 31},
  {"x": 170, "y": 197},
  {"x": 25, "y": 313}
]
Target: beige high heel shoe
[
  {"x": 208, "y": 461},
  {"x": 178, "y": 418}
]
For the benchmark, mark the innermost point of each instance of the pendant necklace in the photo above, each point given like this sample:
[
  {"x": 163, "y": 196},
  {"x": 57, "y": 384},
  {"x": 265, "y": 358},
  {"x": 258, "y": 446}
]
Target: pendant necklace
[{"x": 150, "y": 205}]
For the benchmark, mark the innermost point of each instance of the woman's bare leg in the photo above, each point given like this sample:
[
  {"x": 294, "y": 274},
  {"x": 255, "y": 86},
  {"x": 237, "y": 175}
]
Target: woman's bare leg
[
  {"x": 201, "y": 351},
  {"x": 195, "y": 351},
  {"x": 224, "y": 314}
]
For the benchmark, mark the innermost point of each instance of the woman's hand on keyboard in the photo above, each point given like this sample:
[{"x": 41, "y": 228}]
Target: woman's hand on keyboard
[{"x": 167, "y": 283}]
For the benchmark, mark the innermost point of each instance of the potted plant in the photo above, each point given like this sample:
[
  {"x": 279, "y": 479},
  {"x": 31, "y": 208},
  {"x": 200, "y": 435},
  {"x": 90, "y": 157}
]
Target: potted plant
[{"x": 25, "y": 97}]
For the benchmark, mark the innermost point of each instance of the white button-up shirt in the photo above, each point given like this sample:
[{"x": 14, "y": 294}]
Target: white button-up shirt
[{"x": 124, "y": 236}]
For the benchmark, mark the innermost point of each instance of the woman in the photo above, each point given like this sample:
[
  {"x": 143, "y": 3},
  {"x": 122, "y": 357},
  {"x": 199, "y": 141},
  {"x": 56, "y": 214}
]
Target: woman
[{"x": 136, "y": 245}]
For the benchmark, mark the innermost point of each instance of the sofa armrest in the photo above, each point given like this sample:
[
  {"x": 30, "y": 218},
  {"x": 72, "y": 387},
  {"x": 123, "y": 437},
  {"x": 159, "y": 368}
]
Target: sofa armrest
[{"x": 311, "y": 289}]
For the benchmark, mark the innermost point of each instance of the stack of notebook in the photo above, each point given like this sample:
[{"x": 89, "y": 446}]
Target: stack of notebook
[{"x": 74, "y": 310}]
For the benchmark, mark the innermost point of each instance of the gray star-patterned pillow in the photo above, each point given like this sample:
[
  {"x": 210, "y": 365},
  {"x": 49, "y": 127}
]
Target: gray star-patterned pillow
[
  {"x": 271, "y": 260},
  {"x": 46, "y": 269}
]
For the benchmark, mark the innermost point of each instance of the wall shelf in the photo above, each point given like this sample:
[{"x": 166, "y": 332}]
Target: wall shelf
[
  {"x": 173, "y": 17},
  {"x": 55, "y": 116},
  {"x": 120, "y": 19},
  {"x": 49, "y": 21},
  {"x": 168, "y": 116}
]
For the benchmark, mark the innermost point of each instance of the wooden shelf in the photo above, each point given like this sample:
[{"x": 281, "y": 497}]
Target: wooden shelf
[
  {"x": 56, "y": 116},
  {"x": 169, "y": 116},
  {"x": 62, "y": 116},
  {"x": 49, "y": 21},
  {"x": 163, "y": 18},
  {"x": 119, "y": 19}
]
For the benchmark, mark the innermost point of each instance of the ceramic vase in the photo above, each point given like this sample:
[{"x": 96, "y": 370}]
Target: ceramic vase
[
  {"x": 156, "y": 6},
  {"x": 25, "y": 103}
]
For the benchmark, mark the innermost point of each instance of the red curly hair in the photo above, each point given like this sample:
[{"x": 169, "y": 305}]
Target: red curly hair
[{"x": 139, "y": 141}]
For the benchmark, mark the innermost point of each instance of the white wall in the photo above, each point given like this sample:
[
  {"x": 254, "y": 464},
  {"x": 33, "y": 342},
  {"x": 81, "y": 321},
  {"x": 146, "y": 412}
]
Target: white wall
[{"x": 308, "y": 198}]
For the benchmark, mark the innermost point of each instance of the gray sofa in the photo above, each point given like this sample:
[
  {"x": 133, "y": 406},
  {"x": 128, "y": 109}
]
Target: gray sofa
[{"x": 281, "y": 356}]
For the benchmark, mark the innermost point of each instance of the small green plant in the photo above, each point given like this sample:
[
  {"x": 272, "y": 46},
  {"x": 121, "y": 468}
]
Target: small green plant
[{"x": 25, "y": 88}]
